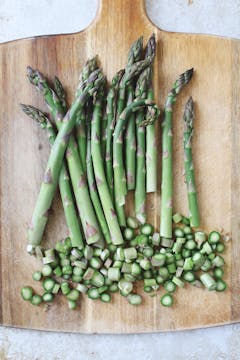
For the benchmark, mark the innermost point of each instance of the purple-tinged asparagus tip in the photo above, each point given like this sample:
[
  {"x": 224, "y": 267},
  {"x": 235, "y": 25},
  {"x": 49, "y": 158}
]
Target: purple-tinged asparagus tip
[{"x": 151, "y": 47}]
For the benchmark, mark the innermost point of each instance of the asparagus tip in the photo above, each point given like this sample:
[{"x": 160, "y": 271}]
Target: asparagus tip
[
  {"x": 189, "y": 112},
  {"x": 34, "y": 114},
  {"x": 151, "y": 47},
  {"x": 189, "y": 105},
  {"x": 135, "y": 52},
  {"x": 183, "y": 79}
]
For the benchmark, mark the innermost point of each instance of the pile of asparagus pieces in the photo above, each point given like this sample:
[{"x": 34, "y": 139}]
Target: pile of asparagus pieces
[{"x": 103, "y": 146}]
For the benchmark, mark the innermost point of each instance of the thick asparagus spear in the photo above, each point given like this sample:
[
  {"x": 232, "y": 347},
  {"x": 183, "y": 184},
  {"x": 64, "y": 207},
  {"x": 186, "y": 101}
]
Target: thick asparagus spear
[
  {"x": 111, "y": 121},
  {"x": 167, "y": 175},
  {"x": 134, "y": 55},
  {"x": 141, "y": 92},
  {"x": 64, "y": 181},
  {"x": 66, "y": 124},
  {"x": 151, "y": 145},
  {"x": 93, "y": 190},
  {"x": 98, "y": 165},
  {"x": 188, "y": 163},
  {"x": 152, "y": 114}
]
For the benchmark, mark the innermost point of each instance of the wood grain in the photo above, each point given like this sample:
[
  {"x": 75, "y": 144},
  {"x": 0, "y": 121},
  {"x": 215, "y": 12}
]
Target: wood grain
[{"x": 24, "y": 151}]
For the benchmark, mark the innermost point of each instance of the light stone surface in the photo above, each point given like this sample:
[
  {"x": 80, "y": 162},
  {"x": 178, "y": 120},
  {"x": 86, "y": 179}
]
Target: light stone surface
[{"x": 23, "y": 18}]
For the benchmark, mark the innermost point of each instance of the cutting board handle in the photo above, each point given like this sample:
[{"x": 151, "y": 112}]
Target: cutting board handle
[{"x": 115, "y": 11}]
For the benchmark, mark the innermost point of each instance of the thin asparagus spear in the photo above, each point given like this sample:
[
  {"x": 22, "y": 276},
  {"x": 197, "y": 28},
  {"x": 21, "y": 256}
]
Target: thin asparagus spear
[
  {"x": 94, "y": 192},
  {"x": 89, "y": 67},
  {"x": 134, "y": 55},
  {"x": 104, "y": 134},
  {"x": 151, "y": 153},
  {"x": 64, "y": 181},
  {"x": 167, "y": 176},
  {"x": 103, "y": 190},
  {"x": 111, "y": 121},
  {"x": 188, "y": 162},
  {"x": 151, "y": 146},
  {"x": 152, "y": 113},
  {"x": 66, "y": 124},
  {"x": 130, "y": 144},
  {"x": 141, "y": 91}
]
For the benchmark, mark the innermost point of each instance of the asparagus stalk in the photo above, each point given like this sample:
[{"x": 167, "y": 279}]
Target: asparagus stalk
[
  {"x": 130, "y": 144},
  {"x": 140, "y": 191},
  {"x": 104, "y": 134},
  {"x": 65, "y": 125},
  {"x": 111, "y": 121},
  {"x": 188, "y": 163},
  {"x": 151, "y": 145},
  {"x": 98, "y": 166},
  {"x": 64, "y": 181},
  {"x": 89, "y": 67},
  {"x": 81, "y": 137},
  {"x": 152, "y": 114},
  {"x": 85, "y": 207},
  {"x": 167, "y": 175},
  {"x": 94, "y": 192},
  {"x": 134, "y": 55}
]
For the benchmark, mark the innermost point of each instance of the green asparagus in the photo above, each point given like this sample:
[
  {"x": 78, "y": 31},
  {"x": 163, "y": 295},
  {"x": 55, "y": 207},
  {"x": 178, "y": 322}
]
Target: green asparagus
[
  {"x": 167, "y": 175},
  {"x": 188, "y": 163}
]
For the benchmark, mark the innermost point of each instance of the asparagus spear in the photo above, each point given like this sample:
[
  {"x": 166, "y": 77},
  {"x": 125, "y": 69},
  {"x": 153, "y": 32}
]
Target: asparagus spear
[
  {"x": 81, "y": 136},
  {"x": 93, "y": 190},
  {"x": 151, "y": 146},
  {"x": 66, "y": 124},
  {"x": 89, "y": 67},
  {"x": 130, "y": 145},
  {"x": 103, "y": 190},
  {"x": 64, "y": 181},
  {"x": 167, "y": 176},
  {"x": 188, "y": 162},
  {"x": 152, "y": 114},
  {"x": 134, "y": 55},
  {"x": 104, "y": 134},
  {"x": 141, "y": 91},
  {"x": 111, "y": 121}
]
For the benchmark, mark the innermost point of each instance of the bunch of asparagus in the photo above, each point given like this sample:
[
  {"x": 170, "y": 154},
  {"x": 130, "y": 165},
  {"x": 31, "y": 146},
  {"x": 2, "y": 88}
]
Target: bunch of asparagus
[
  {"x": 95, "y": 159},
  {"x": 103, "y": 146}
]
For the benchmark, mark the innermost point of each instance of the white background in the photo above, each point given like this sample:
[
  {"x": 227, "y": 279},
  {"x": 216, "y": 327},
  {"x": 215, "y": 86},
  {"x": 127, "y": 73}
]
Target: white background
[{"x": 22, "y": 18}]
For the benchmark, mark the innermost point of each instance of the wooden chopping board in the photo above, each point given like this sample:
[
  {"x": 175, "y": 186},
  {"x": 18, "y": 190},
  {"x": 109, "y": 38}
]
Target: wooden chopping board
[{"x": 24, "y": 151}]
